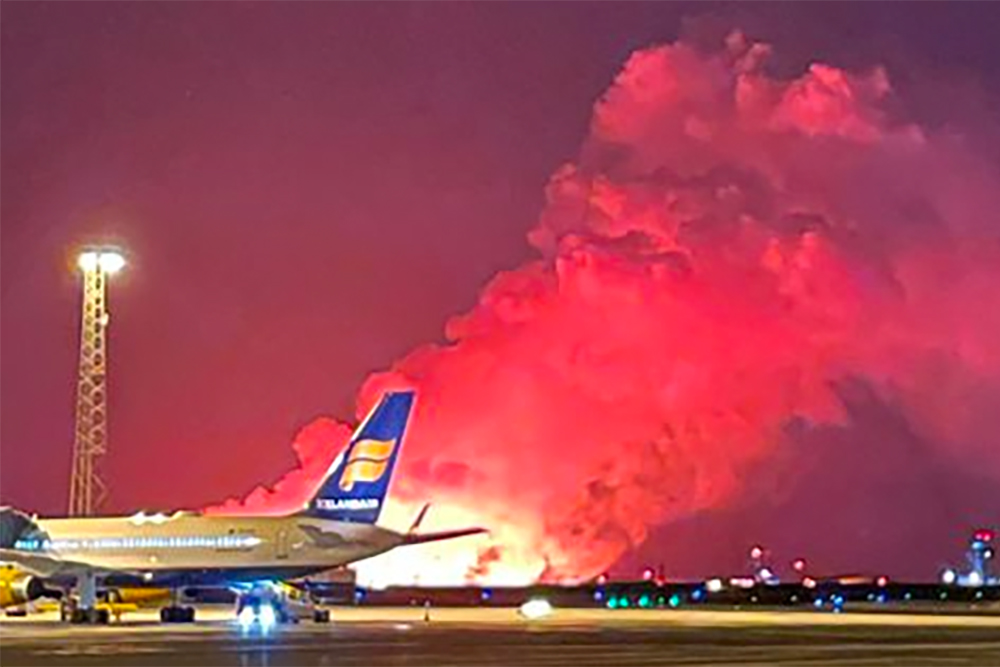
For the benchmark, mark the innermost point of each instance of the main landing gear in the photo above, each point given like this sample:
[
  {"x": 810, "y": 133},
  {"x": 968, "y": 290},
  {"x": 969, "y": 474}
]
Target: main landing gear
[
  {"x": 71, "y": 613},
  {"x": 85, "y": 610},
  {"x": 176, "y": 613}
]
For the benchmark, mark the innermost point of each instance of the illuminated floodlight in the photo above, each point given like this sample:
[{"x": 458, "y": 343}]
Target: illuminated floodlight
[
  {"x": 713, "y": 585},
  {"x": 535, "y": 609},
  {"x": 111, "y": 262},
  {"x": 948, "y": 576},
  {"x": 799, "y": 565},
  {"x": 87, "y": 261},
  {"x": 756, "y": 552},
  {"x": 108, "y": 261}
]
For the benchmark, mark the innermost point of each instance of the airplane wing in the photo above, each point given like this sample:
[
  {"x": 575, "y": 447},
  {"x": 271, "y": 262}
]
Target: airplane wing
[
  {"x": 421, "y": 538},
  {"x": 413, "y": 537},
  {"x": 43, "y": 565}
]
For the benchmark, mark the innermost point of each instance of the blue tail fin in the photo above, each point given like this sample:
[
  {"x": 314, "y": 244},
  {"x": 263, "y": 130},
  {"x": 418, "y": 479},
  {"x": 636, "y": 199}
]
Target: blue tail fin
[{"x": 358, "y": 480}]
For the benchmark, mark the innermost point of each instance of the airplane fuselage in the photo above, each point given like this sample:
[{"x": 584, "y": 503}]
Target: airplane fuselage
[{"x": 194, "y": 549}]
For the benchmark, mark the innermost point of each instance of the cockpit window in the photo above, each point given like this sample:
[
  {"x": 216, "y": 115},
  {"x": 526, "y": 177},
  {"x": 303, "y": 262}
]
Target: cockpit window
[{"x": 16, "y": 526}]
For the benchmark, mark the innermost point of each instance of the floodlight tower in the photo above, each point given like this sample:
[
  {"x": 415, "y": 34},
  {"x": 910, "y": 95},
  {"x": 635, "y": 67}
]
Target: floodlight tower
[{"x": 87, "y": 489}]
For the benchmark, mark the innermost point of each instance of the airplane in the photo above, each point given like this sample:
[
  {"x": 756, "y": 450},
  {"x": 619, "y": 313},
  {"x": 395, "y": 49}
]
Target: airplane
[{"x": 250, "y": 555}]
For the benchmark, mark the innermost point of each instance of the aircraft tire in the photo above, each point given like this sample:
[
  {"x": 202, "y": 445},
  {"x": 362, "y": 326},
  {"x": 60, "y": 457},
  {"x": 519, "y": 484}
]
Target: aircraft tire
[
  {"x": 90, "y": 617},
  {"x": 177, "y": 615}
]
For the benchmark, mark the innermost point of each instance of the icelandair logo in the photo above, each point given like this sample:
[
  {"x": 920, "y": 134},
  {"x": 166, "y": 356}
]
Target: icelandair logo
[
  {"x": 367, "y": 462},
  {"x": 350, "y": 504}
]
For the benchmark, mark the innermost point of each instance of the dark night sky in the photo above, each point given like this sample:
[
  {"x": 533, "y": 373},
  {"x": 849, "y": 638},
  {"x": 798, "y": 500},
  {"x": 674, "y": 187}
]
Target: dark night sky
[{"x": 307, "y": 191}]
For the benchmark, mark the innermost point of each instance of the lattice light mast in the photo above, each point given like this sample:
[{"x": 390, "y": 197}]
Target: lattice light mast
[{"x": 87, "y": 490}]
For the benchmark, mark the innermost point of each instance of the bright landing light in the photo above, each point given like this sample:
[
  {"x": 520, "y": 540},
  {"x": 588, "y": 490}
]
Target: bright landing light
[
  {"x": 267, "y": 617},
  {"x": 245, "y": 617}
]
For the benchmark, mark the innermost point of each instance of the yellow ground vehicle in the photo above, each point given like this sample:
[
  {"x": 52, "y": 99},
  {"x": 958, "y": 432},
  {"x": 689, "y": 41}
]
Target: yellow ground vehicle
[{"x": 18, "y": 590}]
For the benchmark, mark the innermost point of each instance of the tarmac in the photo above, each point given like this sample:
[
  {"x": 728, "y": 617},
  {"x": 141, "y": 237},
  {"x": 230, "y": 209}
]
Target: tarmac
[{"x": 501, "y": 637}]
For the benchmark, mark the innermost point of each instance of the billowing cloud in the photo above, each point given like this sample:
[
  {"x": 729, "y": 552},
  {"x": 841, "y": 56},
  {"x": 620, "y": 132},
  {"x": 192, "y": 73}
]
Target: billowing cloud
[{"x": 727, "y": 247}]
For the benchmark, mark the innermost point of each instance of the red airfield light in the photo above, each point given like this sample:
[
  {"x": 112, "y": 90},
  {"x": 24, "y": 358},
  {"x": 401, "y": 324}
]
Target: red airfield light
[
  {"x": 882, "y": 581},
  {"x": 756, "y": 553},
  {"x": 602, "y": 579},
  {"x": 799, "y": 565},
  {"x": 647, "y": 574},
  {"x": 809, "y": 582}
]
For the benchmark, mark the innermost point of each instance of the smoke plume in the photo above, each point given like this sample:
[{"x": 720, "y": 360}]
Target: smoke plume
[{"x": 726, "y": 249}]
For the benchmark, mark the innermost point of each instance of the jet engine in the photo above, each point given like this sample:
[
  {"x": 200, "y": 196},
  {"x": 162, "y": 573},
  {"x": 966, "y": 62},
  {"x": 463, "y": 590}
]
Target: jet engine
[{"x": 17, "y": 587}]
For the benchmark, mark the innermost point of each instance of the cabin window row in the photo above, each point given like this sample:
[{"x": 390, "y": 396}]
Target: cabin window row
[{"x": 179, "y": 542}]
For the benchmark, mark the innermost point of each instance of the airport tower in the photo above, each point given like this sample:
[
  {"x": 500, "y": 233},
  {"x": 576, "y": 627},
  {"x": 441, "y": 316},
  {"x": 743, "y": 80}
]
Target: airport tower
[
  {"x": 87, "y": 490},
  {"x": 979, "y": 555}
]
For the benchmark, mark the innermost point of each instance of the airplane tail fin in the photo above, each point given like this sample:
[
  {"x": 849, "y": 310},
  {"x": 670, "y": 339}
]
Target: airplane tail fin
[{"x": 357, "y": 482}]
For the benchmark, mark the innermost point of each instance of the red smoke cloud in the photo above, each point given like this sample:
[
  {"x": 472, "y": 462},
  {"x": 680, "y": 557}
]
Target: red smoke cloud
[{"x": 726, "y": 247}]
